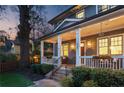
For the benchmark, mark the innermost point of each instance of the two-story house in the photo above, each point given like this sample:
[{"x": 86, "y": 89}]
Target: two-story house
[{"x": 89, "y": 35}]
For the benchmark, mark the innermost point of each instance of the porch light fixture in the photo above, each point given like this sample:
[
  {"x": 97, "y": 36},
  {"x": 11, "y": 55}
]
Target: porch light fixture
[
  {"x": 82, "y": 44},
  {"x": 72, "y": 46},
  {"x": 89, "y": 44}
]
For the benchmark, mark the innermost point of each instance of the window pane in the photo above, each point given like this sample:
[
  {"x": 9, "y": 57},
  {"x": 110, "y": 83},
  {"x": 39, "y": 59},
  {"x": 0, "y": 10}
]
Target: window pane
[
  {"x": 103, "y": 46},
  {"x": 103, "y": 8},
  {"x": 116, "y": 45},
  {"x": 80, "y": 14}
]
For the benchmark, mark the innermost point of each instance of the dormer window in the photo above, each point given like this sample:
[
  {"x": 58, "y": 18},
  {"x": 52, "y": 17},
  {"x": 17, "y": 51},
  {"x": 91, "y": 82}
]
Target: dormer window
[
  {"x": 102, "y": 8},
  {"x": 80, "y": 14}
]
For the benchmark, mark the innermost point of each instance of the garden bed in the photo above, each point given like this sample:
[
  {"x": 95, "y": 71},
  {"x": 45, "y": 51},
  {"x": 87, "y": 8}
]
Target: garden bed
[{"x": 87, "y": 77}]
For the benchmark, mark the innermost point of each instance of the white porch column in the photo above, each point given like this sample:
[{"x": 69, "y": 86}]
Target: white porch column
[
  {"x": 53, "y": 49},
  {"x": 78, "y": 51},
  {"x": 59, "y": 50},
  {"x": 41, "y": 51}
]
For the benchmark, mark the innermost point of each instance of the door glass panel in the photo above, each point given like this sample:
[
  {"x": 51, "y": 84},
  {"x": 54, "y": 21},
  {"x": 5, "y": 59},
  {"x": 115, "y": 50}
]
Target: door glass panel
[{"x": 65, "y": 50}]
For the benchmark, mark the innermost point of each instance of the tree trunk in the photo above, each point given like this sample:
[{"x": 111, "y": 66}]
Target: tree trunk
[{"x": 23, "y": 35}]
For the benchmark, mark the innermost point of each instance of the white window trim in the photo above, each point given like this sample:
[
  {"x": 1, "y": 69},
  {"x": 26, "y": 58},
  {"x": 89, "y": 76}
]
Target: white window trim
[
  {"x": 109, "y": 37},
  {"x": 97, "y": 9}
]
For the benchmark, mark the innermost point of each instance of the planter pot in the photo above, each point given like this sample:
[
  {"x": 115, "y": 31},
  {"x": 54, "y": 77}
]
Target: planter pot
[{"x": 8, "y": 66}]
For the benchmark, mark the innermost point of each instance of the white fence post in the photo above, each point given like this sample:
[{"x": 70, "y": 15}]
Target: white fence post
[{"x": 78, "y": 54}]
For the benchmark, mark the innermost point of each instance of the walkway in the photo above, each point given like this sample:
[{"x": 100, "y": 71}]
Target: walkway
[
  {"x": 46, "y": 83},
  {"x": 56, "y": 78}
]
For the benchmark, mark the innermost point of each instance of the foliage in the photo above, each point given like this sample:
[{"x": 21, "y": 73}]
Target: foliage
[
  {"x": 46, "y": 68},
  {"x": 14, "y": 80},
  {"x": 7, "y": 57},
  {"x": 103, "y": 77},
  {"x": 80, "y": 74},
  {"x": 42, "y": 68},
  {"x": 67, "y": 82},
  {"x": 90, "y": 83}
]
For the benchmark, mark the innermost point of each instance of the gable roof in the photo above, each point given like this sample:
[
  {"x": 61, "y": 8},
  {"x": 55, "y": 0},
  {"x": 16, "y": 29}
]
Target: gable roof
[
  {"x": 69, "y": 20},
  {"x": 82, "y": 21},
  {"x": 64, "y": 14}
]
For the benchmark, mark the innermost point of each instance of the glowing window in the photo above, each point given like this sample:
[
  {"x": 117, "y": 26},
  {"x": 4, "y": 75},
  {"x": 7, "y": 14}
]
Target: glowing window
[
  {"x": 102, "y": 8},
  {"x": 116, "y": 45},
  {"x": 80, "y": 14},
  {"x": 65, "y": 50},
  {"x": 103, "y": 46}
]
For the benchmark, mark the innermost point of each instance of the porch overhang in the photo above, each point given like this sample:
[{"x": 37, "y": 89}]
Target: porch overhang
[{"x": 110, "y": 20}]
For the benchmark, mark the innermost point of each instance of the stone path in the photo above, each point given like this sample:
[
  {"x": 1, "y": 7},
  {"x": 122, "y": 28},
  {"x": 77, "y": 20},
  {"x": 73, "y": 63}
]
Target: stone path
[{"x": 46, "y": 83}]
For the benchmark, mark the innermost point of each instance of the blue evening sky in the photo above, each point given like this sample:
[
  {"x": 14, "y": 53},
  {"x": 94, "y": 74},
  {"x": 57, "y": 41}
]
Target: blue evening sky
[{"x": 10, "y": 20}]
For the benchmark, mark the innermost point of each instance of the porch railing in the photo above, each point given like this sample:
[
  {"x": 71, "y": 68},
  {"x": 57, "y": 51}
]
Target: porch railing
[
  {"x": 52, "y": 60},
  {"x": 115, "y": 62}
]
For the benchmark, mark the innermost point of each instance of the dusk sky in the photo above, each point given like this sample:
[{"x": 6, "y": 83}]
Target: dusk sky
[{"x": 9, "y": 21}]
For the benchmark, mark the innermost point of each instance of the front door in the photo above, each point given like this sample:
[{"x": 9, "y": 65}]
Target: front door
[
  {"x": 82, "y": 46},
  {"x": 65, "y": 53}
]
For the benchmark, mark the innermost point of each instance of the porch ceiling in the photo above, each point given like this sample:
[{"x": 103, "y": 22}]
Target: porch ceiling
[{"x": 103, "y": 26}]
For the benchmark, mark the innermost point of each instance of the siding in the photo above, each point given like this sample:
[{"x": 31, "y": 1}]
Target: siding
[{"x": 90, "y": 11}]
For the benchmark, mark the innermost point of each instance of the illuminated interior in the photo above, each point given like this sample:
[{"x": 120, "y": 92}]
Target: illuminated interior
[
  {"x": 80, "y": 14},
  {"x": 103, "y": 46},
  {"x": 115, "y": 45}
]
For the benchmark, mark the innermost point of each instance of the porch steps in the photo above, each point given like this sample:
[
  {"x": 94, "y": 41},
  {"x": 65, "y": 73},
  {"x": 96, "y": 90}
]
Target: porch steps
[{"x": 61, "y": 73}]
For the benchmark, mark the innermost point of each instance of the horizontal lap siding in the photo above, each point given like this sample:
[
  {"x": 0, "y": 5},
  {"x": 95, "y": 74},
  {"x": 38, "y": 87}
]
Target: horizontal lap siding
[{"x": 90, "y": 51}]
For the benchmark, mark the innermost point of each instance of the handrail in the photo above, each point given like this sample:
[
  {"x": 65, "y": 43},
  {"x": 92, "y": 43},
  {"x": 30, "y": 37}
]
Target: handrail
[
  {"x": 55, "y": 69},
  {"x": 86, "y": 56},
  {"x": 120, "y": 56}
]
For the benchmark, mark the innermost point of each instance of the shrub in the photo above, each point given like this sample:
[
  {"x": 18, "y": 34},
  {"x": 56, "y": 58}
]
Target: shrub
[
  {"x": 67, "y": 82},
  {"x": 42, "y": 68},
  {"x": 46, "y": 68},
  {"x": 11, "y": 57},
  {"x": 7, "y": 57},
  {"x": 3, "y": 58},
  {"x": 80, "y": 74},
  {"x": 90, "y": 83},
  {"x": 36, "y": 68},
  {"x": 103, "y": 77},
  {"x": 118, "y": 78}
]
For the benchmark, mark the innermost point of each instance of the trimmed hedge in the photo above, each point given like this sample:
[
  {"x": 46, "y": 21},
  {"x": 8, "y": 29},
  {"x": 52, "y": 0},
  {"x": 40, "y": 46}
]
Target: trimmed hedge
[
  {"x": 8, "y": 58},
  {"x": 89, "y": 83},
  {"x": 80, "y": 74},
  {"x": 103, "y": 77},
  {"x": 67, "y": 82},
  {"x": 42, "y": 68}
]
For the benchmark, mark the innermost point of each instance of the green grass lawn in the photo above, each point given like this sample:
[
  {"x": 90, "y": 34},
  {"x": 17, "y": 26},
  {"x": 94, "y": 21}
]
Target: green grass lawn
[{"x": 14, "y": 80}]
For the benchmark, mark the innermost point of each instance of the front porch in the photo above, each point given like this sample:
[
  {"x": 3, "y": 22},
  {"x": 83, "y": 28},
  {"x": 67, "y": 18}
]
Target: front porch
[{"x": 85, "y": 44}]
